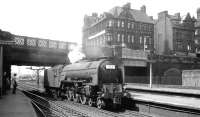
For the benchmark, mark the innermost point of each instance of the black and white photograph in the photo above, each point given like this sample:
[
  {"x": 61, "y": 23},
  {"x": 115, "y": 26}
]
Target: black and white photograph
[{"x": 100, "y": 58}]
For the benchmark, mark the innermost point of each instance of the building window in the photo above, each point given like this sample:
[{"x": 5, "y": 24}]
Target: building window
[
  {"x": 86, "y": 43},
  {"x": 196, "y": 42},
  {"x": 101, "y": 41},
  {"x": 145, "y": 40},
  {"x": 196, "y": 32},
  {"x": 149, "y": 41},
  {"x": 139, "y": 26},
  {"x": 179, "y": 46},
  {"x": 132, "y": 25},
  {"x": 129, "y": 25},
  {"x": 118, "y": 23},
  {"x": 140, "y": 39},
  {"x": 151, "y": 27},
  {"x": 103, "y": 36},
  {"x": 118, "y": 37},
  {"x": 148, "y": 28},
  {"x": 188, "y": 47},
  {"x": 94, "y": 42},
  {"x": 122, "y": 24},
  {"x": 144, "y": 27},
  {"x": 110, "y": 23},
  {"x": 132, "y": 38},
  {"x": 98, "y": 42},
  {"x": 128, "y": 38},
  {"x": 122, "y": 38},
  {"x": 104, "y": 41},
  {"x": 108, "y": 38}
]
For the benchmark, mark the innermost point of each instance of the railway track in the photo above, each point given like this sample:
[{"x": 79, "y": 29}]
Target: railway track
[
  {"x": 51, "y": 108},
  {"x": 48, "y": 108},
  {"x": 95, "y": 112},
  {"x": 54, "y": 108},
  {"x": 146, "y": 108}
]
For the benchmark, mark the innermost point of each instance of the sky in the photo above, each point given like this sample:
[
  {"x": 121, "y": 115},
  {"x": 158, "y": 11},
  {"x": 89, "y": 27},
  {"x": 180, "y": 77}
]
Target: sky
[{"x": 63, "y": 19}]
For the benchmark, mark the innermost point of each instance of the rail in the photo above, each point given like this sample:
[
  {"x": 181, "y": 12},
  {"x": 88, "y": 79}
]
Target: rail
[
  {"x": 77, "y": 109},
  {"x": 39, "y": 111},
  {"x": 50, "y": 107},
  {"x": 95, "y": 112}
]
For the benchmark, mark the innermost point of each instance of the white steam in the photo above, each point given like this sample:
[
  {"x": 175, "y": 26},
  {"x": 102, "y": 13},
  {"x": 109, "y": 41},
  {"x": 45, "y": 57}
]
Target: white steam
[{"x": 75, "y": 53}]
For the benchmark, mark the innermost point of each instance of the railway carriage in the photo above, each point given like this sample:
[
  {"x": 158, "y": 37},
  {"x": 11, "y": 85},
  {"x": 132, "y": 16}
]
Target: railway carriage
[{"x": 94, "y": 82}]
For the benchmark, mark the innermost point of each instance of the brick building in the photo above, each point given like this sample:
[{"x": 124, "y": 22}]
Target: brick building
[
  {"x": 124, "y": 32},
  {"x": 174, "y": 35},
  {"x": 121, "y": 26},
  {"x": 197, "y": 32}
]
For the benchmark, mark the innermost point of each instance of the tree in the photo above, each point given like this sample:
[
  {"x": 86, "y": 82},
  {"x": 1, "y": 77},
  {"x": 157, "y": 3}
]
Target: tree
[{"x": 6, "y": 36}]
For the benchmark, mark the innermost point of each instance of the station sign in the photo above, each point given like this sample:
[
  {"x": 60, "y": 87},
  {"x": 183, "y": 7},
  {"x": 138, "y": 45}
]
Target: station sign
[{"x": 134, "y": 54}]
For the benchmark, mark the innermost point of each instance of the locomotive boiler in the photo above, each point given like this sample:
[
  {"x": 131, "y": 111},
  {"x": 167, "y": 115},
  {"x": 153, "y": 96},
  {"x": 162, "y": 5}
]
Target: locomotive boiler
[{"x": 94, "y": 82}]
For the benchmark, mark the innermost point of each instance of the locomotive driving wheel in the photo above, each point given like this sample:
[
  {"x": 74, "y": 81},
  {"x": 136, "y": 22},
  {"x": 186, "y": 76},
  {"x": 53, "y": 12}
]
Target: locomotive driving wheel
[
  {"x": 76, "y": 98},
  {"x": 69, "y": 96},
  {"x": 101, "y": 104},
  {"x": 90, "y": 102},
  {"x": 55, "y": 94},
  {"x": 83, "y": 99}
]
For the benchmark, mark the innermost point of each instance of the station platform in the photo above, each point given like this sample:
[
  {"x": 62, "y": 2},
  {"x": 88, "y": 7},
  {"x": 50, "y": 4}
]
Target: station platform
[
  {"x": 16, "y": 105},
  {"x": 170, "y": 100},
  {"x": 164, "y": 88}
]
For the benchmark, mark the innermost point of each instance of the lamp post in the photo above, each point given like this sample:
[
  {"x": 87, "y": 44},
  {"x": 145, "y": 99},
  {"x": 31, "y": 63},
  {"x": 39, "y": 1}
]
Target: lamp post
[
  {"x": 150, "y": 84},
  {"x": 37, "y": 73}
]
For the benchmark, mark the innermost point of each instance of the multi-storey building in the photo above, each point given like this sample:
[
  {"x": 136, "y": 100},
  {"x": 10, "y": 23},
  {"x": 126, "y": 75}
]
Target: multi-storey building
[
  {"x": 121, "y": 26},
  {"x": 174, "y": 35},
  {"x": 127, "y": 32},
  {"x": 197, "y": 32},
  {"x": 137, "y": 34}
]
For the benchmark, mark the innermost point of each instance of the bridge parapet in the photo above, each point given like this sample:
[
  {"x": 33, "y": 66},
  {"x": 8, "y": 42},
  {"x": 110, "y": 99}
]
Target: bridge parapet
[{"x": 31, "y": 42}]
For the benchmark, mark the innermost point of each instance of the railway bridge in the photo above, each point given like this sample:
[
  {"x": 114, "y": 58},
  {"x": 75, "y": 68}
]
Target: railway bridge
[{"x": 30, "y": 51}]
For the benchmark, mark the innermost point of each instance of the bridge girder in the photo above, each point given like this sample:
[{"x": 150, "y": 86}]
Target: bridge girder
[{"x": 34, "y": 56}]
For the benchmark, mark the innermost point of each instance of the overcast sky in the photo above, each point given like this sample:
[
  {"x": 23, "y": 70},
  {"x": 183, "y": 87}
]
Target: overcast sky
[{"x": 63, "y": 19}]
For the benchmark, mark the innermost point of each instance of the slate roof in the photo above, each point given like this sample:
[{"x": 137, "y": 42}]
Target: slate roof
[{"x": 137, "y": 14}]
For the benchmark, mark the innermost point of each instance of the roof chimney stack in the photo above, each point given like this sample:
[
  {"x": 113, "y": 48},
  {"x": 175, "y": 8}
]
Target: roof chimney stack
[
  {"x": 198, "y": 14},
  {"x": 143, "y": 8},
  {"x": 127, "y": 5}
]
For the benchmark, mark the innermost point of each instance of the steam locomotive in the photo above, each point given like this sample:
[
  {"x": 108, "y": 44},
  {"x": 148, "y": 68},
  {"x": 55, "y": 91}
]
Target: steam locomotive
[{"x": 94, "y": 82}]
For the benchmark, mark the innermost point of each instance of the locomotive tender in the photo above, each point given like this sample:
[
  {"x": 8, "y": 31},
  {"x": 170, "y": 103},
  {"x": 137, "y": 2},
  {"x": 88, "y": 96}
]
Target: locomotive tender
[{"x": 94, "y": 82}]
